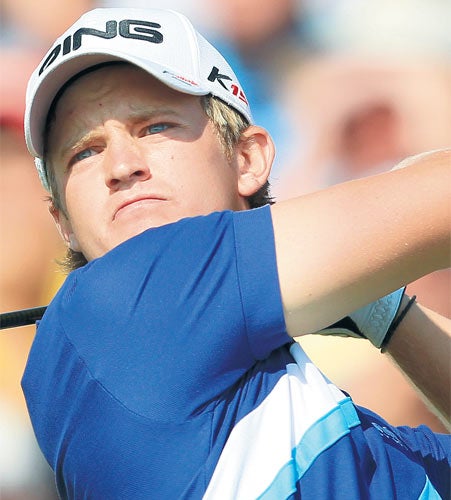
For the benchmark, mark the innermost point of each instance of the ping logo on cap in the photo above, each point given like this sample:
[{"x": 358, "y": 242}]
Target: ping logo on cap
[{"x": 126, "y": 28}]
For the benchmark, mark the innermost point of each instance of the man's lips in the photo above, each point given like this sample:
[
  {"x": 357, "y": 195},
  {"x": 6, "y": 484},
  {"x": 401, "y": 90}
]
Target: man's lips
[{"x": 136, "y": 203}]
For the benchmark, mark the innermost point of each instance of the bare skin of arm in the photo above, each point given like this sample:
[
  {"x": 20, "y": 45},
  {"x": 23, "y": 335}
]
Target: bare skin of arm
[
  {"x": 403, "y": 233},
  {"x": 421, "y": 347}
]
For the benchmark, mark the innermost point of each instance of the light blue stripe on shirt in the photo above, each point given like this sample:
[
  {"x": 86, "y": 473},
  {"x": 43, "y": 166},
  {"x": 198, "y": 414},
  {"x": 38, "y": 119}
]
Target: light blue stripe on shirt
[
  {"x": 320, "y": 436},
  {"x": 429, "y": 492}
]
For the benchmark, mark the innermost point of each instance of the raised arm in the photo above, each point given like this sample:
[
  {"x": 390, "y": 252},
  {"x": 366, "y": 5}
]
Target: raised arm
[{"x": 344, "y": 247}]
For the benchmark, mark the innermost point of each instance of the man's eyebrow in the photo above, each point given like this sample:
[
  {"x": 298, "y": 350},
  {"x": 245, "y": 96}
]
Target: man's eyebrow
[
  {"x": 80, "y": 143},
  {"x": 143, "y": 113}
]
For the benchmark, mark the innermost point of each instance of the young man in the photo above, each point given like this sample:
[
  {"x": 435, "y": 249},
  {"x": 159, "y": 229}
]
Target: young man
[{"x": 165, "y": 366}]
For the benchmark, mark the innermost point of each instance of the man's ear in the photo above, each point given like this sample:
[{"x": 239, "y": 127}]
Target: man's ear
[
  {"x": 255, "y": 155},
  {"x": 64, "y": 228}
]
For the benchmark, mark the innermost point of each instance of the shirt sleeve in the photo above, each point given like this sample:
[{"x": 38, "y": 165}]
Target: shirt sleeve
[
  {"x": 171, "y": 318},
  {"x": 417, "y": 455},
  {"x": 433, "y": 451}
]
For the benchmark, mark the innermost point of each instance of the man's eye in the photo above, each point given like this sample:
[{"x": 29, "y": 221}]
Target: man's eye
[
  {"x": 82, "y": 155},
  {"x": 157, "y": 128}
]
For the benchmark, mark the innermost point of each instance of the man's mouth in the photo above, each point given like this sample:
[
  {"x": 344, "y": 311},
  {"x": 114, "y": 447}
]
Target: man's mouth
[{"x": 137, "y": 203}]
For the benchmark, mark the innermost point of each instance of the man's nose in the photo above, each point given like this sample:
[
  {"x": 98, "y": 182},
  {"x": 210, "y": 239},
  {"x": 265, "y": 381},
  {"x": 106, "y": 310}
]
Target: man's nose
[{"x": 125, "y": 163}]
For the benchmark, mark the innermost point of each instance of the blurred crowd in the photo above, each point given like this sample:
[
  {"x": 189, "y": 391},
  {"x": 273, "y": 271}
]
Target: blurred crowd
[{"x": 346, "y": 88}]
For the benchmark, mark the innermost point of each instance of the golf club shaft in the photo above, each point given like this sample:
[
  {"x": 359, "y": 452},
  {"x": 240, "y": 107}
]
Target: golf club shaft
[{"x": 21, "y": 317}]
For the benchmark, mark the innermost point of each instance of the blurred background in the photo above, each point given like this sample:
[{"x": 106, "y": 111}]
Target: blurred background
[{"x": 347, "y": 89}]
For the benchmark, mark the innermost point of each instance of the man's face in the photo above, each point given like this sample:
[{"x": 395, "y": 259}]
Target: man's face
[{"x": 129, "y": 154}]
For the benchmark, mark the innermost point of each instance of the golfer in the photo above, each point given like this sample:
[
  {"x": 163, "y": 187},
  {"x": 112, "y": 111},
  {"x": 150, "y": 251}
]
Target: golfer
[{"x": 165, "y": 367}]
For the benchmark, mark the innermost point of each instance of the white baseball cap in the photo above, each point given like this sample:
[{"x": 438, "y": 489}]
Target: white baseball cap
[{"x": 162, "y": 42}]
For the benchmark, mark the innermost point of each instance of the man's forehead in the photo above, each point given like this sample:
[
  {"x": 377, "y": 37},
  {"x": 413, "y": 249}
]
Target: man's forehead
[
  {"x": 87, "y": 74},
  {"x": 130, "y": 84}
]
